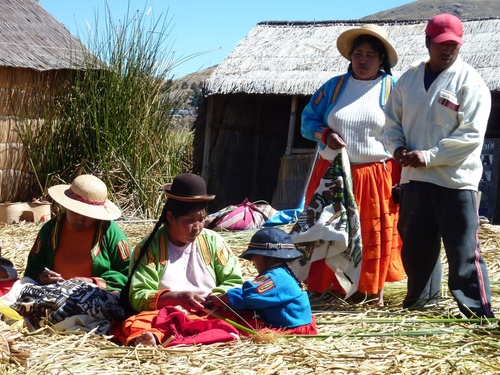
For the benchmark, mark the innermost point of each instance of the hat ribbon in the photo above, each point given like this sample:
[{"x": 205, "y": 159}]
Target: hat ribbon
[
  {"x": 85, "y": 200},
  {"x": 270, "y": 245}
]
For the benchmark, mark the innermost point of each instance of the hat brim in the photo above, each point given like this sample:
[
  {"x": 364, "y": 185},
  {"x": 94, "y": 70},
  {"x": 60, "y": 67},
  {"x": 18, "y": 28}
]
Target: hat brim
[
  {"x": 447, "y": 37},
  {"x": 286, "y": 254},
  {"x": 346, "y": 40},
  {"x": 195, "y": 198},
  {"x": 108, "y": 211}
]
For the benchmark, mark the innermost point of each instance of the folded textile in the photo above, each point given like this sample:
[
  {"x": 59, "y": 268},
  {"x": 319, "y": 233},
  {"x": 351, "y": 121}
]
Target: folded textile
[
  {"x": 56, "y": 302},
  {"x": 329, "y": 227},
  {"x": 83, "y": 323},
  {"x": 172, "y": 326}
]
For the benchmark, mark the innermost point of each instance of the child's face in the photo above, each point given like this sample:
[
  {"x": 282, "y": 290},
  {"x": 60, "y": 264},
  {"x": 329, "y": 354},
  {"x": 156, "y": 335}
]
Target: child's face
[{"x": 259, "y": 262}]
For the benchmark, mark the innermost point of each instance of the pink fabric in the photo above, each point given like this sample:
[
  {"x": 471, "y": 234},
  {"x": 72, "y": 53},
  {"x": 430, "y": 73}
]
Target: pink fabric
[{"x": 246, "y": 215}]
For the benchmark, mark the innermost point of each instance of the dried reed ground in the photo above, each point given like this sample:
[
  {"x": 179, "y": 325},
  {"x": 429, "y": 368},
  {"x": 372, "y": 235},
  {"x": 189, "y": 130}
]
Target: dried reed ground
[{"x": 354, "y": 339}]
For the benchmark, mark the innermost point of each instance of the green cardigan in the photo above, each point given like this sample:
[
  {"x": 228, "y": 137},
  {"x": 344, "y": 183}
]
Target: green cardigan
[
  {"x": 110, "y": 252},
  {"x": 220, "y": 261}
]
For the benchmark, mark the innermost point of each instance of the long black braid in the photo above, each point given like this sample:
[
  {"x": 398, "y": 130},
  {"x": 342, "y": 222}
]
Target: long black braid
[
  {"x": 161, "y": 220},
  {"x": 177, "y": 208}
]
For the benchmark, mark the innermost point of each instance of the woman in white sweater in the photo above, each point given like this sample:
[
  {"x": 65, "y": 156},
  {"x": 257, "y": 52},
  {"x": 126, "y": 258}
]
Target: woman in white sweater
[{"x": 348, "y": 111}]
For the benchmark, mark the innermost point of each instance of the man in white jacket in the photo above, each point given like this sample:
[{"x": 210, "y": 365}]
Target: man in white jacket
[{"x": 436, "y": 119}]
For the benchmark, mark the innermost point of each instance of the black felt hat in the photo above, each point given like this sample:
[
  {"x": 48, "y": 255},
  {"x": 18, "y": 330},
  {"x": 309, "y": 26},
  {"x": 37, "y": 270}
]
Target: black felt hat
[{"x": 188, "y": 187}]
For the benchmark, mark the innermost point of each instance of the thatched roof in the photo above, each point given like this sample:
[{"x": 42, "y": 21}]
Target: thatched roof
[
  {"x": 31, "y": 38},
  {"x": 295, "y": 58}
]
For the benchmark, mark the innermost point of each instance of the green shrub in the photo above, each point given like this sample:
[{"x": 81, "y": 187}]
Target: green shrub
[{"x": 113, "y": 118}]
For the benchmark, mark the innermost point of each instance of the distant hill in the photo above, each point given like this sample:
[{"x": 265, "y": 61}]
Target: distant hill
[
  {"x": 425, "y": 9},
  {"x": 185, "y": 92},
  {"x": 198, "y": 76}
]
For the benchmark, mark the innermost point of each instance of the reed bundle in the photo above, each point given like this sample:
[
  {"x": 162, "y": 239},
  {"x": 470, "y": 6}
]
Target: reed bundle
[{"x": 352, "y": 338}]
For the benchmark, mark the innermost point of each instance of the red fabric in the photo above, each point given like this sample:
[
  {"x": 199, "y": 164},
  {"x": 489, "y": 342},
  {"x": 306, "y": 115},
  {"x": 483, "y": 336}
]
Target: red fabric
[
  {"x": 322, "y": 278},
  {"x": 189, "y": 331},
  {"x": 325, "y": 134},
  {"x": 316, "y": 175},
  {"x": 309, "y": 329},
  {"x": 172, "y": 325},
  {"x": 6, "y": 286}
]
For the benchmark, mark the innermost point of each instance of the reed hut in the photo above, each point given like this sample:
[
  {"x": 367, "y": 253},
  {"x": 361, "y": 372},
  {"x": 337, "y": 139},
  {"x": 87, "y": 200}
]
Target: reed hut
[
  {"x": 247, "y": 139},
  {"x": 37, "y": 56}
]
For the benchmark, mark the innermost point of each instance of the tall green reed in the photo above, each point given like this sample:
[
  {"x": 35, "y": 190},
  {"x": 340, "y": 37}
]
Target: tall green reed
[{"x": 112, "y": 118}]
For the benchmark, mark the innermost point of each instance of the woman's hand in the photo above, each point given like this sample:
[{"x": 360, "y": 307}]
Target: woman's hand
[
  {"x": 84, "y": 279},
  {"x": 335, "y": 141},
  {"x": 190, "y": 301},
  {"x": 49, "y": 277}
]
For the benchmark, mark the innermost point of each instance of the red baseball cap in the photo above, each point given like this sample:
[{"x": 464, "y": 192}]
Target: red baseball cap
[{"x": 445, "y": 27}]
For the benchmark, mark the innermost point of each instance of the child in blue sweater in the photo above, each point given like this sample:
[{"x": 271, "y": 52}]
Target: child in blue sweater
[{"x": 275, "y": 295}]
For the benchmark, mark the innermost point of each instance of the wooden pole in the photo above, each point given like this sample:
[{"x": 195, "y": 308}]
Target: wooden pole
[
  {"x": 291, "y": 125},
  {"x": 255, "y": 154},
  {"x": 208, "y": 133}
]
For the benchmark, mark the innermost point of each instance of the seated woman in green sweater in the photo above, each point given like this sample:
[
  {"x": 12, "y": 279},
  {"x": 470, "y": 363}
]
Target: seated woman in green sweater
[
  {"x": 180, "y": 263},
  {"x": 83, "y": 243},
  {"x": 78, "y": 263}
]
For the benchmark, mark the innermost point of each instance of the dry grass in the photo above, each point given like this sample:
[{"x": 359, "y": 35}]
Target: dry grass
[{"x": 353, "y": 339}]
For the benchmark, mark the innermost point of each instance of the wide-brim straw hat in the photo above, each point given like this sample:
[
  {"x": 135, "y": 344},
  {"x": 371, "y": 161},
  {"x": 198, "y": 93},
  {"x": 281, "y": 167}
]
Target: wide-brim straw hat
[
  {"x": 188, "y": 187},
  {"x": 88, "y": 196},
  {"x": 271, "y": 242},
  {"x": 346, "y": 40}
]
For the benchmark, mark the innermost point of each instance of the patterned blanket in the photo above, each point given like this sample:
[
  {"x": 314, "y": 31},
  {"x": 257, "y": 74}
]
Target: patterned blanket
[
  {"x": 329, "y": 227},
  {"x": 56, "y": 302}
]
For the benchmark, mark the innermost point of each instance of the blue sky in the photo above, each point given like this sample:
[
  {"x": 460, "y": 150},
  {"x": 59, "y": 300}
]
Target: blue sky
[{"x": 209, "y": 29}]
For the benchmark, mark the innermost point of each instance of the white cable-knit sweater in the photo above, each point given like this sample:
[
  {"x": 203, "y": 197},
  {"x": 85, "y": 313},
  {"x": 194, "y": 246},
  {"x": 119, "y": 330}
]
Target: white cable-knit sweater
[{"x": 358, "y": 119}]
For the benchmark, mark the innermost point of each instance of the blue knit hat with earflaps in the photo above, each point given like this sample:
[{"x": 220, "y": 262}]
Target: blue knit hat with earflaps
[{"x": 272, "y": 242}]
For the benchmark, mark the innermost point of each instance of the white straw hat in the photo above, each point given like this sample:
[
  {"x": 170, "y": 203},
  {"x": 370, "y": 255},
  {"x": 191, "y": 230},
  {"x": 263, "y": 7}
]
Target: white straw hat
[
  {"x": 347, "y": 38},
  {"x": 88, "y": 196}
]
